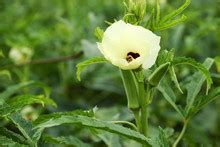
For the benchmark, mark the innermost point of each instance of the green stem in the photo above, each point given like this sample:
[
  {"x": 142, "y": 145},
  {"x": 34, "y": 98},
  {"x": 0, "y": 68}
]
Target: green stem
[
  {"x": 137, "y": 119},
  {"x": 143, "y": 103},
  {"x": 181, "y": 134}
]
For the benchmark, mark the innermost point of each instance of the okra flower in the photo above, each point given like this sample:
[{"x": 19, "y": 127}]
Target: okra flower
[{"x": 129, "y": 47}]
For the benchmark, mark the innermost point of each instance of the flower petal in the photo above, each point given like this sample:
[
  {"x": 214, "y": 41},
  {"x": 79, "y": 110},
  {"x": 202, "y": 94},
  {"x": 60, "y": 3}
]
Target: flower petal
[{"x": 112, "y": 39}]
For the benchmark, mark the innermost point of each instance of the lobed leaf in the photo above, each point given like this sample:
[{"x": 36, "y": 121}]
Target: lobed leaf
[
  {"x": 203, "y": 101},
  {"x": 55, "y": 115},
  {"x": 196, "y": 82},
  {"x": 167, "y": 56},
  {"x": 81, "y": 66},
  {"x": 62, "y": 118},
  {"x": 170, "y": 96},
  {"x": 111, "y": 140},
  {"x": 176, "y": 12},
  {"x": 65, "y": 140},
  {"x": 17, "y": 103},
  {"x": 15, "y": 88},
  {"x": 161, "y": 140},
  {"x": 171, "y": 23},
  {"x": 26, "y": 128},
  {"x": 5, "y": 141},
  {"x": 14, "y": 136},
  {"x": 200, "y": 67}
]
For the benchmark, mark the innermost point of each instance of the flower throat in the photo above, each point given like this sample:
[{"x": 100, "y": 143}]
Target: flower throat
[{"x": 130, "y": 56}]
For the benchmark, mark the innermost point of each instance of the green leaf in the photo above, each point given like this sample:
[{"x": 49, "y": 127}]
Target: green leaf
[
  {"x": 174, "y": 78},
  {"x": 155, "y": 78},
  {"x": 196, "y": 82},
  {"x": 65, "y": 140},
  {"x": 15, "y": 88},
  {"x": 26, "y": 128},
  {"x": 81, "y": 66},
  {"x": 200, "y": 67},
  {"x": 203, "y": 101},
  {"x": 17, "y": 103},
  {"x": 165, "y": 56},
  {"x": 170, "y": 96},
  {"x": 14, "y": 136},
  {"x": 161, "y": 140},
  {"x": 5, "y": 73},
  {"x": 128, "y": 79},
  {"x": 99, "y": 33},
  {"x": 168, "y": 21},
  {"x": 62, "y": 118},
  {"x": 171, "y": 23},
  {"x": 151, "y": 22},
  {"x": 111, "y": 140},
  {"x": 55, "y": 115},
  {"x": 5, "y": 141},
  {"x": 176, "y": 12}
]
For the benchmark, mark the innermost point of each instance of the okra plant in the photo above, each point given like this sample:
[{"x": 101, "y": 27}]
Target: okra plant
[{"x": 133, "y": 45}]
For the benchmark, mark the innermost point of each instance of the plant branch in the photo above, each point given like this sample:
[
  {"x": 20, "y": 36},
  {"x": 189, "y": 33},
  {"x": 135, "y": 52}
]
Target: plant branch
[{"x": 47, "y": 61}]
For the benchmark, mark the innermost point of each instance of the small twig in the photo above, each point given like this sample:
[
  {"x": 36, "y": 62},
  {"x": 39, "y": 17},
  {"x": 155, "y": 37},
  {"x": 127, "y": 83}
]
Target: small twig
[{"x": 46, "y": 61}]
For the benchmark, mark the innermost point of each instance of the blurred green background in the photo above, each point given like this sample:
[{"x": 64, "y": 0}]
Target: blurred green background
[{"x": 58, "y": 28}]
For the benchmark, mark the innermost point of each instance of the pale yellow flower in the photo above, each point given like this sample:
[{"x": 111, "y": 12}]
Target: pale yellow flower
[{"x": 129, "y": 46}]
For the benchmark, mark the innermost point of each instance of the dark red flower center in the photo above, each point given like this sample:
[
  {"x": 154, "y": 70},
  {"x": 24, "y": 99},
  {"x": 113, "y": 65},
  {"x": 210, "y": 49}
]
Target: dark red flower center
[{"x": 130, "y": 56}]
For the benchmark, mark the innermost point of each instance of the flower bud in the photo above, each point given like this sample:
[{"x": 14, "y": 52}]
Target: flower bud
[
  {"x": 135, "y": 11},
  {"x": 20, "y": 55},
  {"x": 29, "y": 113}
]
